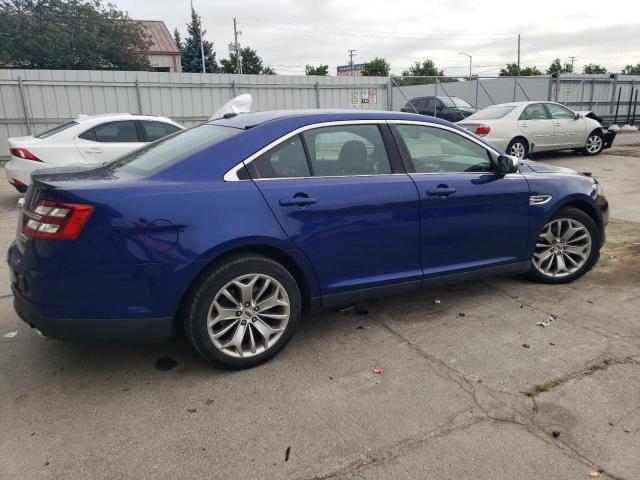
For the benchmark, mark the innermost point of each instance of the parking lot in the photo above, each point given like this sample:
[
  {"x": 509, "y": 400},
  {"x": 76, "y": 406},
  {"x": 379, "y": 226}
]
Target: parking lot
[{"x": 469, "y": 384}]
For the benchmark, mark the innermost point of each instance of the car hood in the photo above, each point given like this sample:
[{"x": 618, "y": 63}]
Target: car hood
[{"x": 538, "y": 167}]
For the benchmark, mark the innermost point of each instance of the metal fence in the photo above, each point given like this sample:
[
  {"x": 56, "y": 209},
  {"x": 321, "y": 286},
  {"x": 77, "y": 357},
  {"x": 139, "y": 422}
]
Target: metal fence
[
  {"x": 604, "y": 94},
  {"x": 34, "y": 100}
]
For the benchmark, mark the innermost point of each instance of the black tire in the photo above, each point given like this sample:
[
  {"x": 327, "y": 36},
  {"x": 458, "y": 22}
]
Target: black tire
[
  {"x": 212, "y": 282},
  {"x": 595, "y": 139},
  {"x": 513, "y": 145},
  {"x": 595, "y": 236}
]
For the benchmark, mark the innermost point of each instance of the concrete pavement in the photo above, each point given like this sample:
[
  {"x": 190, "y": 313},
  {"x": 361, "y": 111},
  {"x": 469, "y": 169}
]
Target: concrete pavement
[{"x": 472, "y": 386}]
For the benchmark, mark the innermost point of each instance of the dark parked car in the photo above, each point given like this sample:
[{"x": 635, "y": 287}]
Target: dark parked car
[
  {"x": 232, "y": 230},
  {"x": 449, "y": 108}
]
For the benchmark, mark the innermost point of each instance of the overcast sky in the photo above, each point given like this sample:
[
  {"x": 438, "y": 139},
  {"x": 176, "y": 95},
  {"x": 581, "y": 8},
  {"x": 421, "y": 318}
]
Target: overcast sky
[{"x": 289, "y": 34}]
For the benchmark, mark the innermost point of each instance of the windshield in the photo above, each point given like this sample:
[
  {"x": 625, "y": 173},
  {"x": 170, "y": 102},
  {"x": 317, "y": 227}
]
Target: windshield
[
  {"x": 490, "y": 113},
  {"x": 173, "y": 148},
  {"x": 454, "y": 102},
  {"x": 56, "y": 129}
]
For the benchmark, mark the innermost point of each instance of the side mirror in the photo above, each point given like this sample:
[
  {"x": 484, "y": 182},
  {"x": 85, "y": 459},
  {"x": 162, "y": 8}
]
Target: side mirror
[
  {"x": 508, "y": 164},
  {"x": 578, "y": 116}
]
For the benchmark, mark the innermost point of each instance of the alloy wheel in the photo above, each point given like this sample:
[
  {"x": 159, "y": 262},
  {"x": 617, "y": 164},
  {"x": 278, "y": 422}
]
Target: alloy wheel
[
  {"x": 562, "y": 248},
  {"x": 594, "y": 144},
  {"x": 248, "y": 315},
  {"x": 518, "y": 150}
]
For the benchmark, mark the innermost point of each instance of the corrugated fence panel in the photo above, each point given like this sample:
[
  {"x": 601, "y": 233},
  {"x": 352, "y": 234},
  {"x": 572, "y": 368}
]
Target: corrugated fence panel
[{"x": 55, "y": 96}]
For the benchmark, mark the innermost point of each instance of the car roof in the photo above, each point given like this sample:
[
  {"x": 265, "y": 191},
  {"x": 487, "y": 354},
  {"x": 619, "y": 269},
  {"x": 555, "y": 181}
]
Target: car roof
[
  {"x": 518, "y": 104},
  {"x": 249, "y": 120},
  {"x": 82, "y": 118},
  {"x": 433, "y": 96}
]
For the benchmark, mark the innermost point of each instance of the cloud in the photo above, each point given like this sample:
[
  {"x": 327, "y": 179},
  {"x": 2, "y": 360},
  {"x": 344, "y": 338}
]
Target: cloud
[{"x": 289, "y": 34}]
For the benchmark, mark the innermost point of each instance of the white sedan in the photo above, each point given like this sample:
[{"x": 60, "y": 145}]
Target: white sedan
[
  {"x": 86, "y": 140},
  {"x": 521, "y": 128}
]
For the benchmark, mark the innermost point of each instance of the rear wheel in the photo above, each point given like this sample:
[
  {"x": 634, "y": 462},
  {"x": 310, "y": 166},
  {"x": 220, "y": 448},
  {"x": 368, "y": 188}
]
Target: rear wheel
[
  {"x": 518, "y": 147},
  {"x": 243, "y": 312},
  {"x": 594, "y": 145},
  {"x": 566, "y": 249}
]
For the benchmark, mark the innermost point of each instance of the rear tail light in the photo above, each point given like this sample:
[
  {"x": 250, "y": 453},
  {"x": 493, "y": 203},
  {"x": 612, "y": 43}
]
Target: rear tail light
[
  {"x": 57, "y": 220},
  {"x": 24, "y": 153},
  {"x": 483, "y": 130}
]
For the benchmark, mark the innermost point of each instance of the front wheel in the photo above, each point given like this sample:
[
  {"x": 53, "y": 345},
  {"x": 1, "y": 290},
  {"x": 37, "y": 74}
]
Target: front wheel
[
  {"x": 594, "y": 145},
  {"x": 566, "y": 249},
  {"x": 243, "y": 312}
]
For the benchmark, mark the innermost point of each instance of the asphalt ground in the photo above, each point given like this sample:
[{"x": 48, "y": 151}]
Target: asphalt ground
[{"x": 472, "y": 387}]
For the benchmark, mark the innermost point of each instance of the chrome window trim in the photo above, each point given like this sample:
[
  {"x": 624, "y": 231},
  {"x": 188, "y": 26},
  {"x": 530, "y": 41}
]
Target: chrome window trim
[{"x": 232, "y": 174}]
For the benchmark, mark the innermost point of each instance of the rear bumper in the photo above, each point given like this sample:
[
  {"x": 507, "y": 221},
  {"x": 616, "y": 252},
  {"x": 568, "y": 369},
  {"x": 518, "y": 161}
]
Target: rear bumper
[
  {"x": 104, "y": 329},
  {"x": 20, "y": 169}
]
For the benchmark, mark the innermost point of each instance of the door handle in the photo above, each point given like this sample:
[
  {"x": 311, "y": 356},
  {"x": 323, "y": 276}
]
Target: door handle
[
  {"x": 524, "y": 125},
  {"x": 557, "y": 124},
  {"x": 94, "y": 150},
  {"x": 441, "y": 191},
  {"x": 298, "y": 201}
]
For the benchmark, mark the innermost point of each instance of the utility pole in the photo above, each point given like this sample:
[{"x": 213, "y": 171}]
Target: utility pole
[
  {"x": 237, "y": 46},
  {"x": 573, "y": 59},
  {"x": 518, "y": 73},
  {"x": 201, "y": 42},
  {"x": 470, "y": 62},
  {"x": 352, "y": 53}
]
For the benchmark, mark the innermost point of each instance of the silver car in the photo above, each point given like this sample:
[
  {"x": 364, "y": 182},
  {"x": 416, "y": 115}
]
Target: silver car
[{"x": 521, "y": 128}]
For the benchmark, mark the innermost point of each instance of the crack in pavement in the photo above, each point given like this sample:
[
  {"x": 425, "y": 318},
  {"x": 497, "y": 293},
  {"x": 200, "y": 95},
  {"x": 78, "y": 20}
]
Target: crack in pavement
[
  {"x": 603, "y": 333},
  {"x": 484, "y": 398}
]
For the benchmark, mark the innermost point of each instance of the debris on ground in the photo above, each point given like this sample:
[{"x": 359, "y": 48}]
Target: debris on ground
[
  {"x": 555, "y": 434},
  {"x": 362, "y": 311},
  {"x": 526, "y": 345},
  {"x": 10, "y": 334},
  {"x": 166, "y": 363},
  {"x": 192, "y": 410},
  {"x": 462, "y": 314},
  {"x": 594, "y": 474},
  {"x": 286, "y": 454},
  {"x": 378, "y": 371},
  {"x": 208, "y": 401},
  {"x": 346, "y": 309},
  {"x": 436, "y": 300},
  {"x": 548, "y": 321}
]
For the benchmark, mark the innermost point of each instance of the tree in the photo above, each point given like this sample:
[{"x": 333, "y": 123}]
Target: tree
[
  {"x": 511, "y": 70},
  {"x": 178, "y": 39},
  {"x": 593, "y": 69},
  {"x": 425, "y": 69},
  {"x": 252, "y": 63},
  {"x": 556, "y": 67},
  {"x": 378, "y": 67},
  {"x": 191, "y": 52},
  {"x": 321, "y": 70},
  {"x": 631, "y": 70},
  {"x": 70, "y": 34}
]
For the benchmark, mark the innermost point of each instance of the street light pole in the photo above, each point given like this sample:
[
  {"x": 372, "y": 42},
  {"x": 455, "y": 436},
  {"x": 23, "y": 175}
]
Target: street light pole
[{"x": 470, "y": 61}]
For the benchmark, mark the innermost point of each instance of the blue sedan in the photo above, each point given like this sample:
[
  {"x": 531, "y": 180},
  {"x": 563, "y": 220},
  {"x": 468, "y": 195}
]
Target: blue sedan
[{"x": 234, "y": 229}]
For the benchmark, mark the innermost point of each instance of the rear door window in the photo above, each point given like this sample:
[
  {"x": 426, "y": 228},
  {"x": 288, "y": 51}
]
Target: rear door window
[
  {"x": 347, "y": 150},
  {"x": 156, "y": 130},
  {"x": 534, "y": 112},
  {"x": 117, "y": 132}
]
